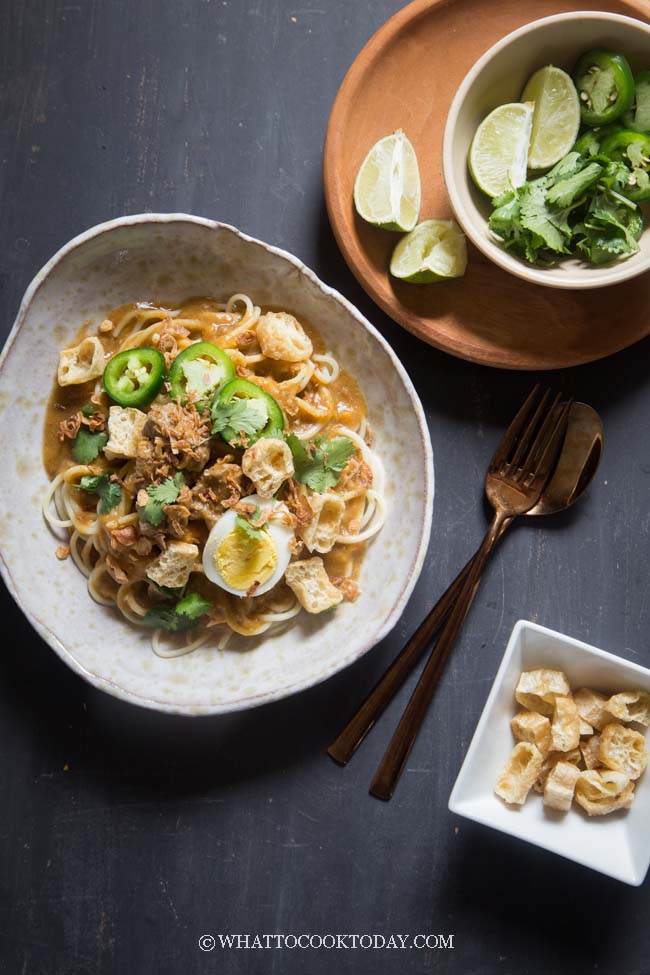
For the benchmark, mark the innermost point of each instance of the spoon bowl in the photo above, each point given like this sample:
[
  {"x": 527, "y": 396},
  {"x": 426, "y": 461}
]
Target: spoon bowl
[{"x": 577, "y": 464}]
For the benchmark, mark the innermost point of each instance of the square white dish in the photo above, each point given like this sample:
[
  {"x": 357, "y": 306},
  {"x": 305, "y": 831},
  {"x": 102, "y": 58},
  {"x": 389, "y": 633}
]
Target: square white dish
[{"x": 617, "y": 845}]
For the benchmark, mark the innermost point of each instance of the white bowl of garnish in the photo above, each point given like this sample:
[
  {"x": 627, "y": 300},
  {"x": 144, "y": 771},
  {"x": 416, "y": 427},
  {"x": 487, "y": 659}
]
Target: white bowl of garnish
[
  {"x": 583, "y": 234},
  {"x": 224, "y": 440},
  {"x": 559, "y": 756}
]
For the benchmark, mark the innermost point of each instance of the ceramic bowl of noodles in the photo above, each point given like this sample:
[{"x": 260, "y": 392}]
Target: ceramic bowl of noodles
[{"x": 229, "y": 497}]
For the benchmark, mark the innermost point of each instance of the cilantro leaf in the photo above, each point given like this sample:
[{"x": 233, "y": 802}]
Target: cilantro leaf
[
  {"x": 505, "y": 217},
  {"x": 109, "y": 493},
  {"x": 601, "y": 248},
  {"x": 162, "y": 617},
  {"x": 193, "y": 606},
  {"x": 580, "y": 204},
  {"x": 567, "y": 166},
  {"x": 172, "y": 592},
  {"x": 88, "y": 409},
  {"x": 337, "y": 453},
  {"x": 319, "y": 463},
  {"x": 526, "y": 223},
  {"x": 185, "y": 614},
  {"x": 86, "y": 445},
  {"x": 565, "y": 191},
  {"x": 615, "y": 176},
  {"x": 238, "y": 418},
  {"x": 161, "y": 494},
  {"x": 244, "y": 526},
  {"x": 610, "y": 228},
  {"x": 537, "y": 216}
]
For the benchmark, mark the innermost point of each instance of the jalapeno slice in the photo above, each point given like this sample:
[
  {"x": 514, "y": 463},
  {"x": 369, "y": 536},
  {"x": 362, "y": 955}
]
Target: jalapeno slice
[
  {"x": 633, "y": 149},
  {"x": 243, "y": 413},
  {"x": 605, "y": 86},
  {"x": 588, "y": 144},
  {"x": 198, "y": 371},
  {"x": 134, "y": 377},
  {"x": 591, "y": 140},
  {"x": 637, "y": 117}
]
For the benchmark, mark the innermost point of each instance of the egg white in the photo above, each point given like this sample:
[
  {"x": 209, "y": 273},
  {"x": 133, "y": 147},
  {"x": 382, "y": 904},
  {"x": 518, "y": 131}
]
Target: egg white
[{"x": 281, "y": 535}]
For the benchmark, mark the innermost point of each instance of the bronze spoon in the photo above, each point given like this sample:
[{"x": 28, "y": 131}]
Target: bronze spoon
[{"x": 579, "y": 459}]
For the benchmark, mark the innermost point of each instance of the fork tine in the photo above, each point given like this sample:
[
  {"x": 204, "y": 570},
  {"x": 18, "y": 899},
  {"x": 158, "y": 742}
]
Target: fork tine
[
  {"x": 546, "y": 449},
  {"x": 549, "y": 452},
  {"x": 536, "y": 443},
  {"x": 550, "y": 420},
  {"x": 524, "y": 444},
  {"x": 509, "y": 438}
]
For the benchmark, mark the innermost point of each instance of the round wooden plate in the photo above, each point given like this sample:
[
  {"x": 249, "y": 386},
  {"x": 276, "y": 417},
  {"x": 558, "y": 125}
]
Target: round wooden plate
[{"x": 405, "y": 77}]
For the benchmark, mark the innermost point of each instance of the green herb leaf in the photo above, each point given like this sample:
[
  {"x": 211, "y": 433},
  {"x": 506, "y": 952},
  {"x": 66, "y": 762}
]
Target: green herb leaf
[
  {"x": 193, "y": 606},
  {"x": 615, "y": 175},
  {"x": 318, "y": 464},
  {"x": 538, "y": 217},
  {"x": 610, "y": 228},
  {"x": 185, "y": 614},
  {"x": 88, "y": 409},
  {"x": 159, "y": 495},
  {"x": 172, "y": 592},
  {"x": 109, "y": 493},
  {"x": 244, "y": 526},
  {"x": 565, "y": 191},
  {"x": 567, "y": 166},
  {"x": 239, "y": 418},
  {"x": 601, "y": 248},
  {"x": 579, "y": 204},
  {"x": 86, "y": 445}
]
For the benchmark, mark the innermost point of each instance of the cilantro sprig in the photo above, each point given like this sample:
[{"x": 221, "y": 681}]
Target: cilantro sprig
[
  {"x": 319, "y": 463},
  {"x": 159, "y": 495},
  {"x": 576, "y": 205},
  {"x": 86, "y": 445},
  {"x": 183, "y": 615},
  {"x": 109, "y": 493},
  {"x": 238, "y": 418}
]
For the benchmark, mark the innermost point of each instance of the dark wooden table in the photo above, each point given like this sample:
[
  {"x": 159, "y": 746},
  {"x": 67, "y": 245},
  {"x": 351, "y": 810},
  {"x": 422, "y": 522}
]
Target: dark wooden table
[{"x": 126, "y": 835}]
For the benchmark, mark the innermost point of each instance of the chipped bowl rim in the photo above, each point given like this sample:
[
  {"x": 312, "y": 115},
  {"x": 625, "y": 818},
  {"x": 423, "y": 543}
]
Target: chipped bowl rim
[{"x": 375, "y": 636}]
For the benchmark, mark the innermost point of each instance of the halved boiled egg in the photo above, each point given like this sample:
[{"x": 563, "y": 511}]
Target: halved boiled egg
[{"x": 238, "y": 560}]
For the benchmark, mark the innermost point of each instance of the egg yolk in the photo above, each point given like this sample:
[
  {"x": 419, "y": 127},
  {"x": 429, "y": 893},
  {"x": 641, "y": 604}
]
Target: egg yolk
[{"x": 241, "y": 561}]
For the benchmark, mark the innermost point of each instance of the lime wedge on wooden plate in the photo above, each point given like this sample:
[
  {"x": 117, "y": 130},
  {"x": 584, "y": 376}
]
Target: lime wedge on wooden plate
[
  {"x": 434, "y": 251},
  {"x": 387, "y": 187},
  {"x": 556, "y": 118},
  {"x": 498, "y": 155}
]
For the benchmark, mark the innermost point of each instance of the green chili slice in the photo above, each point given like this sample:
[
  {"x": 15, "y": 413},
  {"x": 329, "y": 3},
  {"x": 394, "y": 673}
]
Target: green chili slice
[
  {"x": 198, "y": 371},
  {"x": 243, "y": 413},
  {"x": 134, "y": 377},
  {"x": 605, "y": 86},
  {"x": 588, "y": 144},
  {"x": 637, "y": 117},
  {"x": 591, "y": 140},
  {"x": 633, "y": 149}
]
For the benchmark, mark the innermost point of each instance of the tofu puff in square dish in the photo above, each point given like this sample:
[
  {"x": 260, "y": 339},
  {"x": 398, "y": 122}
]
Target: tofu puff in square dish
[
  {"x": 214, "y": 468},
  {"x": 575, "y": 746}
]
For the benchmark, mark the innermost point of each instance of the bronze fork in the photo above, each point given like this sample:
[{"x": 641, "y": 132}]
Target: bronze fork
[{"x": 517, "y": 475}]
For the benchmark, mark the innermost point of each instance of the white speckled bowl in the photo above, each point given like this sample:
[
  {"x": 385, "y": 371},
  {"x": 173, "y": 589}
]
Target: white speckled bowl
[
  {"x": 168, "y": 257},
  {"x": 499, "y": 76}
]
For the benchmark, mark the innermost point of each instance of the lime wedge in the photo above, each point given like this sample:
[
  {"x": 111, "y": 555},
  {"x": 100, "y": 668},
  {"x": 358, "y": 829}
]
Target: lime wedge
[
  {"x": 556, "y": 118},
  {"x": 499, "y": 151},
  {"x": 387, "y": 187},
  {"x": 434, "y": 251}
]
